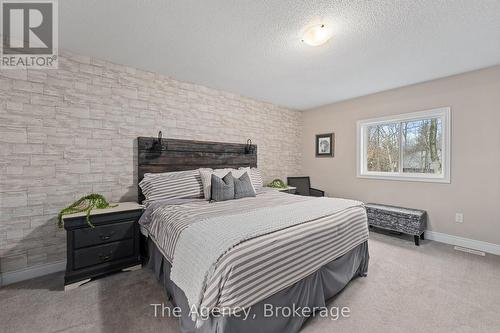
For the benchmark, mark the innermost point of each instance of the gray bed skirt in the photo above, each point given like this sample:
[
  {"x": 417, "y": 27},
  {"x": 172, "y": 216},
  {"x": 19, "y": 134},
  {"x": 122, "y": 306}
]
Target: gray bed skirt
[{"x": 310, "y": 292}]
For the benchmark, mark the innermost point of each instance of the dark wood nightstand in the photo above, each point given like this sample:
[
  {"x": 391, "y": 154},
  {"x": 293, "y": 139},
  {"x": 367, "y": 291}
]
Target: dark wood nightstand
[{"x": 111, "y": 246}]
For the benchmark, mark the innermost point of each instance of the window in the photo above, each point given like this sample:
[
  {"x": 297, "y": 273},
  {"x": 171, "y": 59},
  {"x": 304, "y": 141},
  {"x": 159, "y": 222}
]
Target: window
[{"x": 412, "y": 146}]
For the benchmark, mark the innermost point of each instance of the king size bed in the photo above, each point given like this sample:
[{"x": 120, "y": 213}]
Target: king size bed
[{"x": 230, "y": 264}]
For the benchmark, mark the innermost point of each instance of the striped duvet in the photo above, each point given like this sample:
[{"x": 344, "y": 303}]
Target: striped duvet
[{"x": 261, "y": 266}]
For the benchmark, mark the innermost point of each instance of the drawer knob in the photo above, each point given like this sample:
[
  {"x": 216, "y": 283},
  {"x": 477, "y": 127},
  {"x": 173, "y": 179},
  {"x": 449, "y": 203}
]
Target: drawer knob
[
  {"x": 105, "y": 257},
  {"x": 106, "y": 237}
]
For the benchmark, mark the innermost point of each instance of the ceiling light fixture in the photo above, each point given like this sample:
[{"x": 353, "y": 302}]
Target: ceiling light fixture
[{"x": 316, "y": 35}]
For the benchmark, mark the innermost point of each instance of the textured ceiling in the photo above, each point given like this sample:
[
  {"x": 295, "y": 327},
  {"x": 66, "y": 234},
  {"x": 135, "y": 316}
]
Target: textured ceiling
[{"x": 253, "y": 47}]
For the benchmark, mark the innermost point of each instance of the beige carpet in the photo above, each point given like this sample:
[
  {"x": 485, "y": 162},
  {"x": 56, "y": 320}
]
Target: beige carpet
[{"x": 430, "y": 288}]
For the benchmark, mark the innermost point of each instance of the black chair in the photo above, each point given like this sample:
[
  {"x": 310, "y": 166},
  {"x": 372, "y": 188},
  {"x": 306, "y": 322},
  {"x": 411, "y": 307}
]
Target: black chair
[{"x": 303, "y": 185}]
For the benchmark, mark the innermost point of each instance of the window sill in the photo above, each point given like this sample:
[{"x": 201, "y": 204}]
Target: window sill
[{"x": 407, "y": 178}]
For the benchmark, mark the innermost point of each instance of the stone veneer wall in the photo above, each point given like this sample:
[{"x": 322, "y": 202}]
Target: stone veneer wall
[{"x": 68, "y": 132}]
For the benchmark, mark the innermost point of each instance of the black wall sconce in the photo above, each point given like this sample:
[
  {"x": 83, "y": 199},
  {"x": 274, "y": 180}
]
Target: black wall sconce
[
  {"x": 157, "y": 145},
  {"x": 249, "y": 149}
]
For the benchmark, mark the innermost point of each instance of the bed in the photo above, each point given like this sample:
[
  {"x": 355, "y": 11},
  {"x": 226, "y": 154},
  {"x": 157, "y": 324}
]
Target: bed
[{"x": 229, "y": 265}]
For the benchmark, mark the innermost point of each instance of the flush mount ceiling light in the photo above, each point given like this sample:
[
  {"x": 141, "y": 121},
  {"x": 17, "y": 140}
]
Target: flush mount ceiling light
[{"x": 317, "y": 35}]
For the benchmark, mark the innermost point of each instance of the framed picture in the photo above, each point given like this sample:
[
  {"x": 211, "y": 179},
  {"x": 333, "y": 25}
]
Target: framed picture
[{"x": 325, "y": 145}]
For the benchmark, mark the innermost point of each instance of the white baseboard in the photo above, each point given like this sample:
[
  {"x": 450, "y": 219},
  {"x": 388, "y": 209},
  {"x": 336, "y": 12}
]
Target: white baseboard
[
  {"x": 31, "y": 272},
  {"x": 464, "y": 242}
]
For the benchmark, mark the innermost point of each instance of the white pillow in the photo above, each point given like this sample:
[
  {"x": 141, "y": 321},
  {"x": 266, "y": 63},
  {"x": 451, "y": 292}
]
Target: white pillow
[{"x": 238, "y": 173}]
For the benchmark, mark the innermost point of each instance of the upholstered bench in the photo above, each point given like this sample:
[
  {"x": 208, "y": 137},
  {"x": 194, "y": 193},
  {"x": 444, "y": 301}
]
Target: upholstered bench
[{"x": 399, "y": 219}]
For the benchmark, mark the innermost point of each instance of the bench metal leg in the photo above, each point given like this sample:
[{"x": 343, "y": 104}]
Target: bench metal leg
[{"x": 417, "y": 240}]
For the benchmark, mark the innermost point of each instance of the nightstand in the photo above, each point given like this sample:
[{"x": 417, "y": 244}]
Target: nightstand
[
  {"x": 289, "y": 189},
  {"x": 112, "y": 245}
]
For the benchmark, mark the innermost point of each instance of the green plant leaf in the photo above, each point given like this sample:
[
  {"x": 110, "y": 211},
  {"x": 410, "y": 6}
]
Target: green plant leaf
[
  {"x": 84, "y": 204},
  {"x": 277, "y": 183}
]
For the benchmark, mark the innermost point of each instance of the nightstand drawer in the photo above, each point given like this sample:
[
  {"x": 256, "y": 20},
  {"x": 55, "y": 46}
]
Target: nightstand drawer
[
  {"x": 103, "y": 253},
  {"x": 103, "y": 234}
]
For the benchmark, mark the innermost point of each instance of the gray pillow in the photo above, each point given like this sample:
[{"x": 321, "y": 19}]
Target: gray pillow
[
  {"x": 222, "y": 189},
  {"x": 243, "y": 187}
]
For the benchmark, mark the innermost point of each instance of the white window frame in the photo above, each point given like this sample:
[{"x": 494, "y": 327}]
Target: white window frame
[{"x": 361, "y": 163}]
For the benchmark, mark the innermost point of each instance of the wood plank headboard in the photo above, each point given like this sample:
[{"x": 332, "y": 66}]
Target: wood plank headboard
[{"x": 156, "y": 156}]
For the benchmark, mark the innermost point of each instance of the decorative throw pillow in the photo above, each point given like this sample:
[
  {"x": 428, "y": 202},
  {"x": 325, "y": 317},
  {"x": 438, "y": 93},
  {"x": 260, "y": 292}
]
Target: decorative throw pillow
[
  {"x": 255, "y": 177},
  {"x": 206, "y": 178},
  {"x": 243, "y": 187},
  {"x": 222, "y": 189}
]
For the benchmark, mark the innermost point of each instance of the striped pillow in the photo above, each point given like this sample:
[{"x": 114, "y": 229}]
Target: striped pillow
[
  {"x": 171, "y": 185},
  {"x": 255, "y": 177}
]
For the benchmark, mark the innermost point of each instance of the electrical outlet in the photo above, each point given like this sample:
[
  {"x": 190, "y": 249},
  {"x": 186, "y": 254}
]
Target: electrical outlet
[{"x": 459, "y": 217}]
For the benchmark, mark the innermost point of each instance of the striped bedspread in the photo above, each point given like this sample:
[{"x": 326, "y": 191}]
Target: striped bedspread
[
  {"x": 259, "y": 266},
  {"x": 169, "y": 220}
]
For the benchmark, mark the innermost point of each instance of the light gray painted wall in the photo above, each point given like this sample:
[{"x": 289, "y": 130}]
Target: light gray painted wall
[
  {"x": 69, "y": 132},
  {"x": 474, "y": 190}
]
